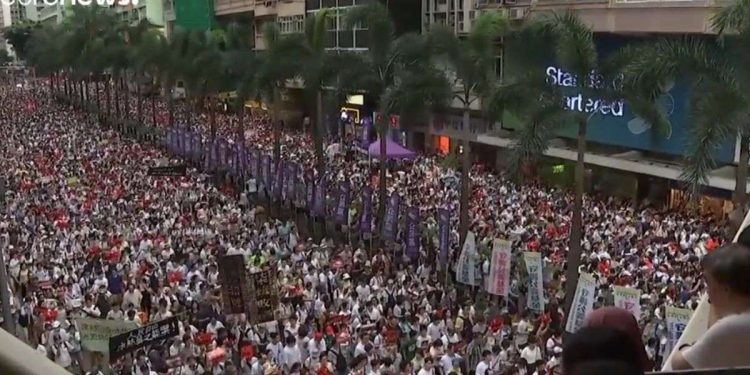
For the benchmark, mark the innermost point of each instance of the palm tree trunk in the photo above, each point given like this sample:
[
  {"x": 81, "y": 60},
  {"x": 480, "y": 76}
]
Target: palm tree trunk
[
  {"x": 740, "y": 187},
  {"x": 98, "y": 100},
  {"x": 170, "y": 106},
  {"x": 316, "y": 132},
  {"x": 576, "y": 227},
  {"x": 739, "y": 197},
  {"x": 107, "y": 98},
  {"x": 276, "y": 126},
  {"x": 126, "y": 109},
  {"x": 116, "y": 83},
  {"x": 465, "y": 169},
  {"x": 382, "y": 198},
  {"x": 241, "y": 124},
  {"x": 211, "y": 118},
  {"x": 140, "y": 102},
  {"x": 153, "y": 109}
]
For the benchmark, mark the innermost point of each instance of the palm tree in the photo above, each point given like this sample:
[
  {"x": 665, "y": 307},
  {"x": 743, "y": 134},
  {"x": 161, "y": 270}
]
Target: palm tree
[
  {"x": 545, "y": 110},
  {"x": 718, "y": 70},
  {"x": 470, "y": 62},
  {"x": 201, "y": 69},
  {"x": 317, "y": 67},
  {"x": 241, "y": 63},
  {"x": 45, "y": 54},
  {"x": 274, "y": 69},
  {"x": 81, "y": 35},
  {"x": 395, "y": 71}
]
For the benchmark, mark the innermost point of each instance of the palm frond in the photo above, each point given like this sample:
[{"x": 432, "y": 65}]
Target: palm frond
[
  {"x": 733, "y": 18},
  {"x": 380, "y": 29},
  {"x": 574, "y": 48},
  {"x": 532, "y": 140},
  {"x": 714, "y": 116},
  {"x": 316, "y": 29}
]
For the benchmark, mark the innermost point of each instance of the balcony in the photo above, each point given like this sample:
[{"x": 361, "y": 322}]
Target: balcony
[
  {"x": 265, "y": 7},
  {"x": 627, "y": 16},
  {"x": 223, "y": 7}
]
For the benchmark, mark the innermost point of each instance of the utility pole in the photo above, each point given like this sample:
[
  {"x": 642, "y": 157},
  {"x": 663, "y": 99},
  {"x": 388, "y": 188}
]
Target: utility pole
[{"x": 8, "y": 323}]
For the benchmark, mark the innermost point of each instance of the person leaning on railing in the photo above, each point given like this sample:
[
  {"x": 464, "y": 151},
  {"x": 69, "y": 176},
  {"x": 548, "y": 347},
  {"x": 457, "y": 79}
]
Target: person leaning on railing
[{"x": 727, "y": 275}]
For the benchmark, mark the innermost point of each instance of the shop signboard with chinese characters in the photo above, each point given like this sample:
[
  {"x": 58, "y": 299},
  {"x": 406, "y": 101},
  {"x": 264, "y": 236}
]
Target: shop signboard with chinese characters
[
  {"x": 265, "y": 296},
  {"x": 131, "y": 341},
  {"x": 613, "y": 121}
]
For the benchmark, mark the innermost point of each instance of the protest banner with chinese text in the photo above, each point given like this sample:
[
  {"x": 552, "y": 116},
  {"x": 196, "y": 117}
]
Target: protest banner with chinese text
[
  {"x": 412, "y": 232},
  {"x": 466, "y": 266},
  {"x": 265, "y": 296},
  {"x": 444, "y": 233},
  {"x": 95, "y": 333},
  {"x": 677, "y": 319},
  {"x": 499, "y": 277},
  {"x": 628, "y": 299},
  {"x": 234, "y": 291},
  {"x": 534, "y": 268},
  {"x": 583, "y": 302},
  {"x": 390, "y": 222},
  {"x": 133, "y": 340}
]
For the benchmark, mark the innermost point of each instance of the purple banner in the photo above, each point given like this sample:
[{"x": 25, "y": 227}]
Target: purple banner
[
  {"x": 213, "y": 160},
  {"x": 177, "y": 141},
  {"x": 171, "y": 141},
  {"x": 223, "y": 153},
  {"x": 266, "y": 172},
  {"x": 285, "y": 180},
  {"x": 278, "y": 181},
  {"x": 253, "y": 159},
  {"x": 444, "y": 233},
  {"x": 390, "y": 222},
  {"x": 234, "y": 161},
  {"x": 201, "y": 149},
  {"x": 310, "y": 188},
  {"x": 185, "y": 139},
  {"x": 342, "y": 205},
  {"x": 412, "y": 232},
  {"x": 320, "y": 198},
  {"x": 182, "y": 146},
  {"x": 366, "y": 128},
  {"x": 365, "y": 220},
  {"x": 291, "y": 181}
]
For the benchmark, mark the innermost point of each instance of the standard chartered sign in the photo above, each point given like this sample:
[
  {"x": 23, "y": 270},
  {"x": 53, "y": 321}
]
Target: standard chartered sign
[{"x": 577, "y": 102}]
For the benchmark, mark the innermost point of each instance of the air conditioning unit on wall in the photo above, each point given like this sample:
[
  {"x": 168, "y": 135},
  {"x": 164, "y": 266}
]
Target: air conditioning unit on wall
[{"x": 516, "y": 13}]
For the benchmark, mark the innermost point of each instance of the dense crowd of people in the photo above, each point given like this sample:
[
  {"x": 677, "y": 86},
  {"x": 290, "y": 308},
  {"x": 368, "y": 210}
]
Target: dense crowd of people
[{"x": 90, "y": 234}]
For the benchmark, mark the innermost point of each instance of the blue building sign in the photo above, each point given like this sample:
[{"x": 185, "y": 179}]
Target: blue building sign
[{"x": 612, "y": 122}]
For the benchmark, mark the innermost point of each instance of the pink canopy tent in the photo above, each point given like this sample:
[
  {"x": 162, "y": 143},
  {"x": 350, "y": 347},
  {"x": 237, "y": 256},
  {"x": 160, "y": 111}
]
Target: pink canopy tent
[{"x": 393, "y": 150}]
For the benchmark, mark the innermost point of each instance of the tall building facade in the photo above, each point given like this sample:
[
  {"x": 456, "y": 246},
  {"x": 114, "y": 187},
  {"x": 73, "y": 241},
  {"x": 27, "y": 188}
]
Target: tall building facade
[{"x": 625, "y": 157}]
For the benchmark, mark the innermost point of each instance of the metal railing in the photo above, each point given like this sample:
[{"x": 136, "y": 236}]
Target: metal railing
[
  {"x": 698, "y": 324},
  {"x": 18, "y": 358},
  {"x": 714, "y": 371}
]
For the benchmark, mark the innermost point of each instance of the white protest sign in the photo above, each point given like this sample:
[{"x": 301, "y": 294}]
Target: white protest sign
[
  {"x": 677, "y": 319},
  {"x": 628, "y": 299},
  {"x": 466, "y": 267},
  {"x": 535, "y": 297},
  {"x": 583, "y": 302},
  {"x": 499, "y": 279}
]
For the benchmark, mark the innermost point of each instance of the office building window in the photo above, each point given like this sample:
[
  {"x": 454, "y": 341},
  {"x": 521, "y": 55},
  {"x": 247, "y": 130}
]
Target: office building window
[
  {"x": 291, "y": 24},
  {"x": 312, "y": 4}
]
